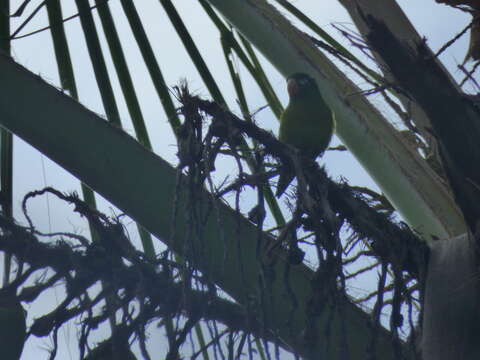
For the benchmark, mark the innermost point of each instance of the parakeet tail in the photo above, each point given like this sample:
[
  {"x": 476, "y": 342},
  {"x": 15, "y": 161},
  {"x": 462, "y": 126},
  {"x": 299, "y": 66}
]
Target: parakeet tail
[{"x": 284, "y": 180}]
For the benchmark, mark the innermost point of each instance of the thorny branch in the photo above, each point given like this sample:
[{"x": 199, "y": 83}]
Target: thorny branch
[
  {"x": 321, "y": 207},
  {"x": 145, "y": 290}
]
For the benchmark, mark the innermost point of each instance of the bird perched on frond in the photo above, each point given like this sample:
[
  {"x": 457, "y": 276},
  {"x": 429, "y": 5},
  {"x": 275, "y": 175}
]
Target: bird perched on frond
[{"x": 307, "y": 123}]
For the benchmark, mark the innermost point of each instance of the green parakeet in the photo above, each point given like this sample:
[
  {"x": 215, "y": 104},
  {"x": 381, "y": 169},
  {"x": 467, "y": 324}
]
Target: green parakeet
[{"x": 307, "y": 123}]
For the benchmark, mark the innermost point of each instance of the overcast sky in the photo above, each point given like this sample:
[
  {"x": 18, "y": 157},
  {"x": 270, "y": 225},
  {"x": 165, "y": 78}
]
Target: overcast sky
[{"x": 438, "y": 23}]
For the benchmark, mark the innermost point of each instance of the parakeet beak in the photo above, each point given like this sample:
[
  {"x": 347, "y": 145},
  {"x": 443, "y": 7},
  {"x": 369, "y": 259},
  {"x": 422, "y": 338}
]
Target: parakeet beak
[{"x": 292, "y": 87}]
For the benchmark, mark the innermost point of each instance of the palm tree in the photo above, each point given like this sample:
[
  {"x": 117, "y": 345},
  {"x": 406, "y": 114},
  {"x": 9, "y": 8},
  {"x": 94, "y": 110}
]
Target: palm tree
[{"x": 434, "y": 189}]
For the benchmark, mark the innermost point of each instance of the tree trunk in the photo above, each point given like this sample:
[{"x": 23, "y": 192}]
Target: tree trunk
[{"x": 451, "y": 321}]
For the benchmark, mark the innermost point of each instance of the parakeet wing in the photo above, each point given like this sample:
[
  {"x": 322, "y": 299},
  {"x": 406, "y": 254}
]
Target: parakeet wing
[{"x": 307, "y": 123}]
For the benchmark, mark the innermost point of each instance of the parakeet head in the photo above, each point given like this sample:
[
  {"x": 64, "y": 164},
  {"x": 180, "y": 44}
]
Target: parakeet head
[{"x": 299, "y": 84}]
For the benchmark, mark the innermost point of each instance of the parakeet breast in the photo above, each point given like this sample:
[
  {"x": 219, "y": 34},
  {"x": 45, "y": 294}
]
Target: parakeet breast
[{"x": 307, "y": 123}]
